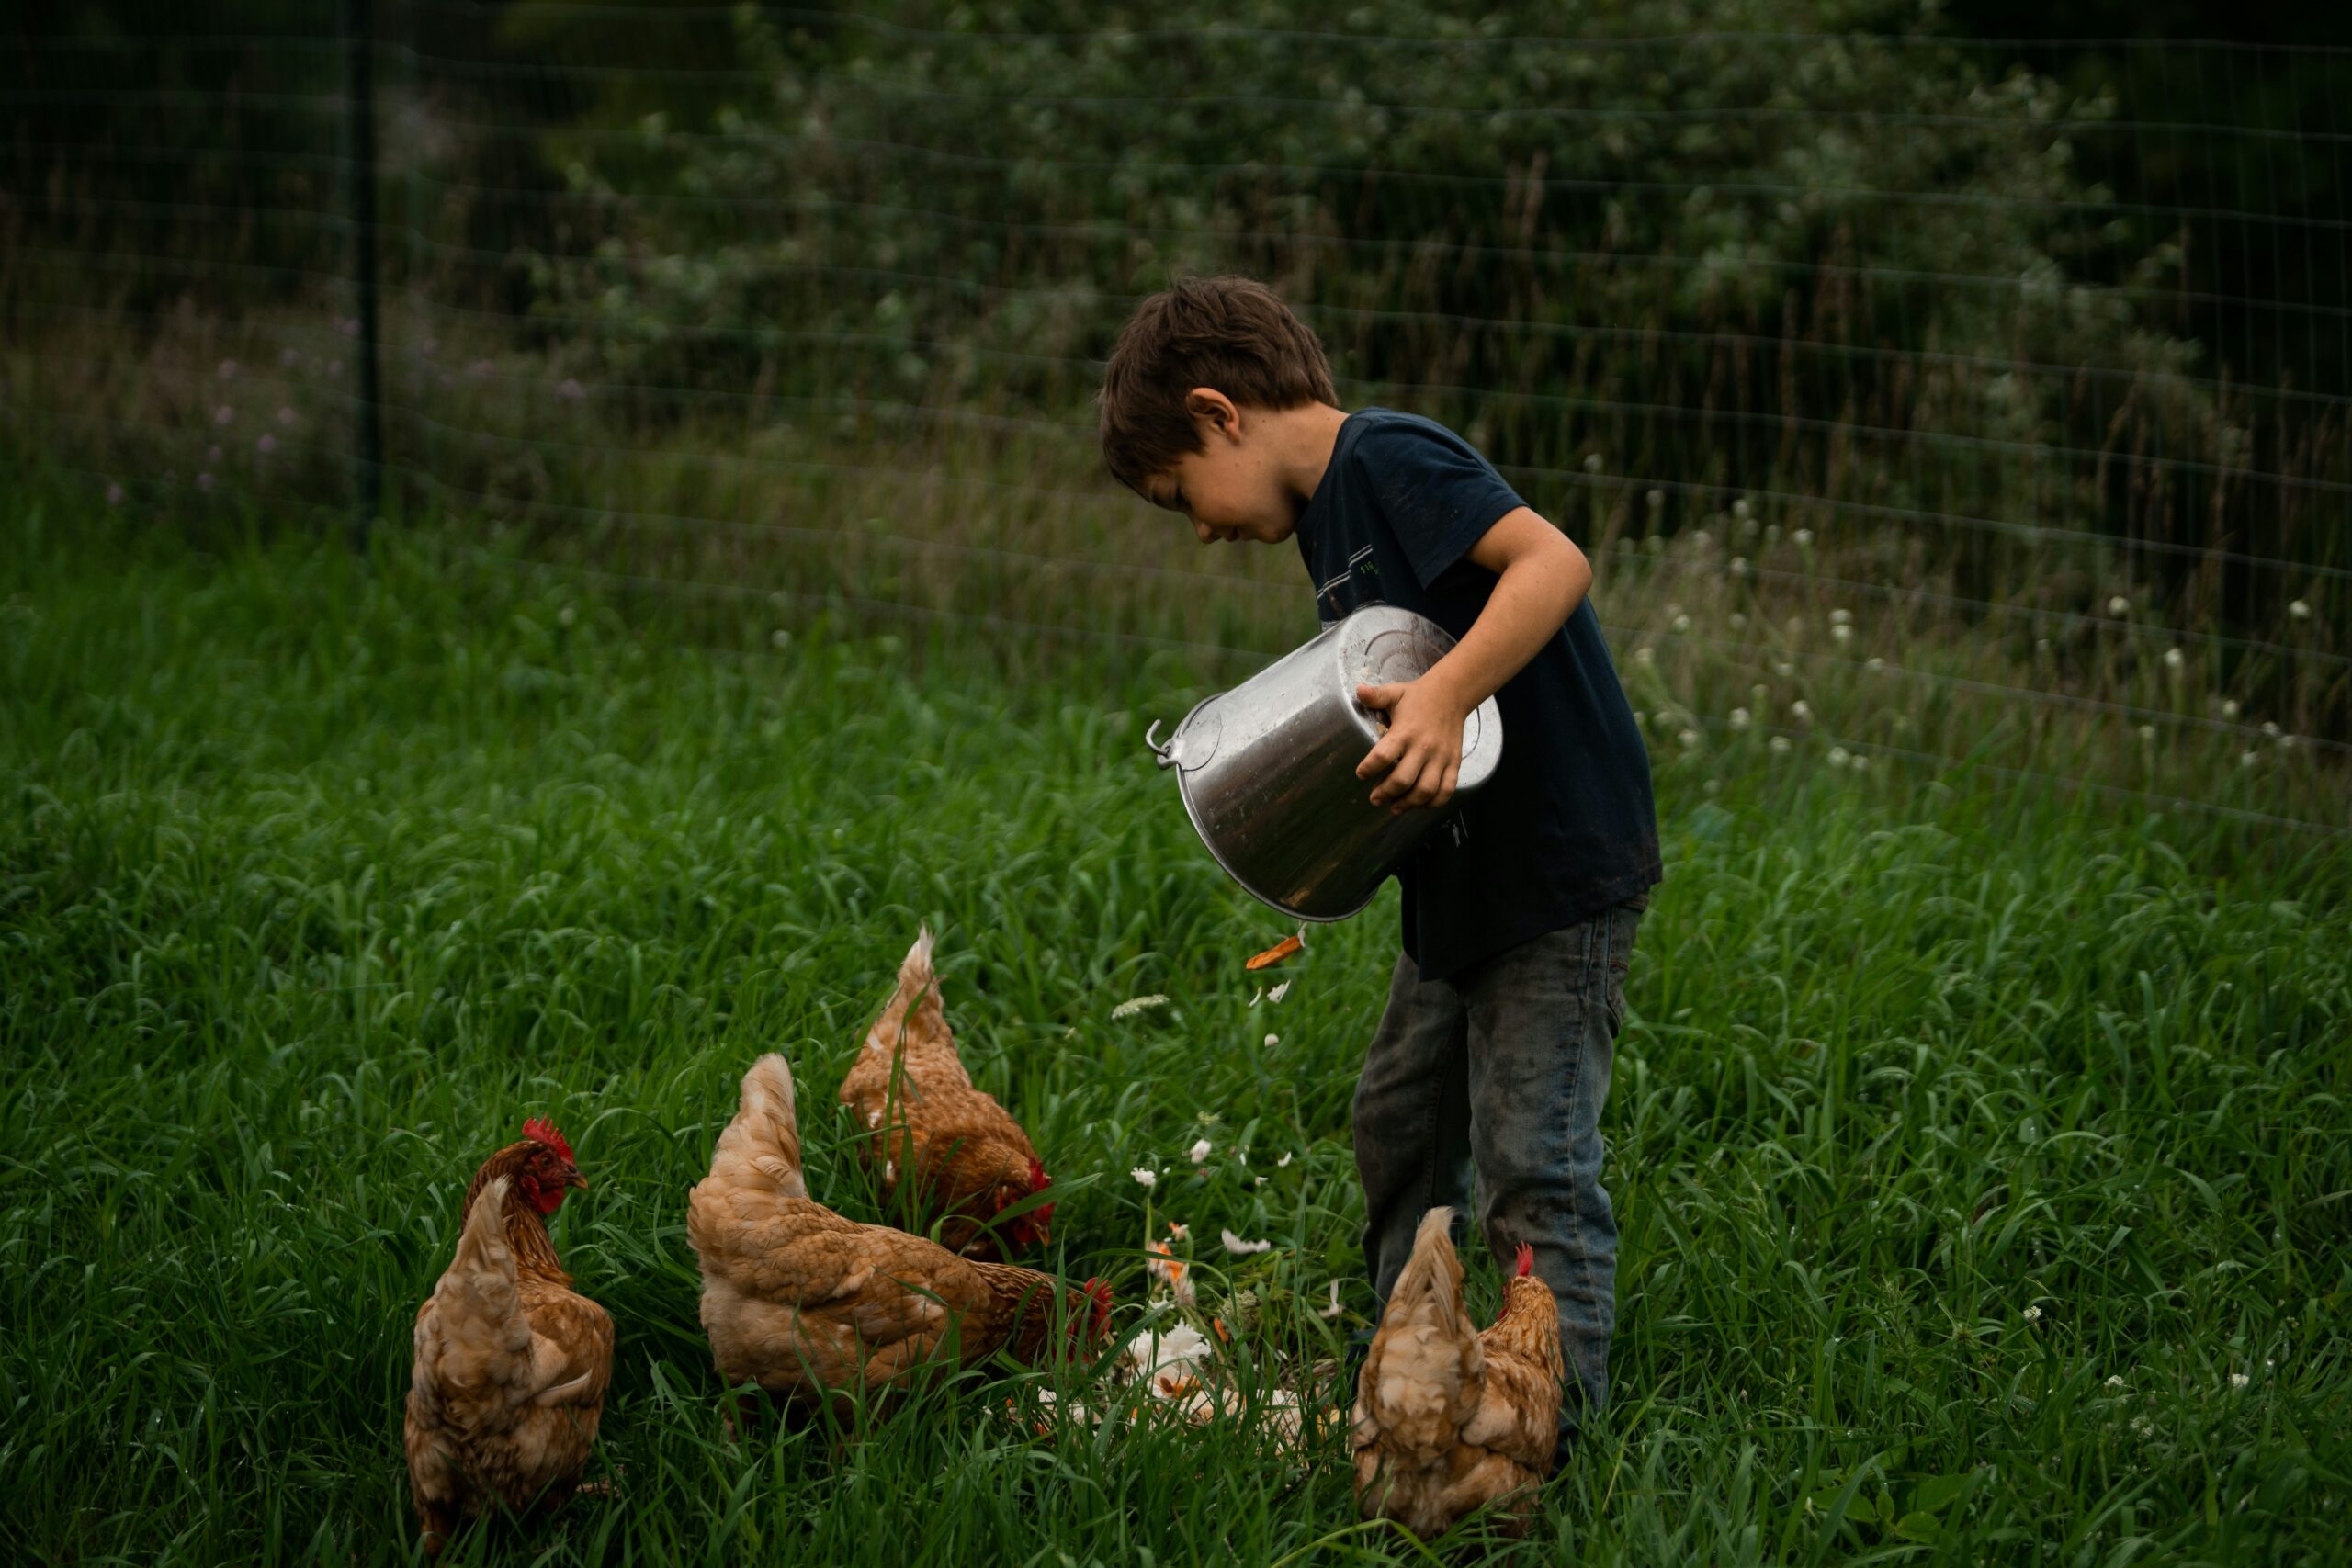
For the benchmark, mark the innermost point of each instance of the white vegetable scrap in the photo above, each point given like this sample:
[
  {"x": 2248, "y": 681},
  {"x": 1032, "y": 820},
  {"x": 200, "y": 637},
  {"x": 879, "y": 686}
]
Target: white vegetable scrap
[
  {"x": 1241, "y": 1248},
  {"x": 1145, "y": 1176},
  {"x": 1335, "y": 1308},
  {"x": 1279, "y": 992},
  {"x": 1200, "y": 1151}
]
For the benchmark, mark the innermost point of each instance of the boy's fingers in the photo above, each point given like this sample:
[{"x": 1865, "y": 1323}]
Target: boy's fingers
[
  {"x": 1378, "y": 698},
  {"x": 1382, "y": 757},
  {"x": 1401, "y": 778}
]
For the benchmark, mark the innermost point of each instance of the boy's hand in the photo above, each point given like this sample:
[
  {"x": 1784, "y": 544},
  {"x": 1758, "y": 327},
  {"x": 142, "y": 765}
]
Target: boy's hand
[{"x": 1421, "y": 753}]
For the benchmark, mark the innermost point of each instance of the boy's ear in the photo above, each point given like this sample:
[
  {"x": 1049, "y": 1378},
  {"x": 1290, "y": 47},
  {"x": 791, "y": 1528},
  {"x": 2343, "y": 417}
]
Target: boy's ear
[{"x": 1214, "y": 411}]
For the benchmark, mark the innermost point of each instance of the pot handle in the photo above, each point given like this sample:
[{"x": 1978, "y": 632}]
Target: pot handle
[{"x": 1164, "y": 751}]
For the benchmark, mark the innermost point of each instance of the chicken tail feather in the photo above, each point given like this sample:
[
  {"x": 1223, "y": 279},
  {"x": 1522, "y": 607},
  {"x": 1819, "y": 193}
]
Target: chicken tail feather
[
  {"x": 1421, "y": 1377},
  {"x": 761, "y": 1146},
  {"x": 914, "y": 1008}
]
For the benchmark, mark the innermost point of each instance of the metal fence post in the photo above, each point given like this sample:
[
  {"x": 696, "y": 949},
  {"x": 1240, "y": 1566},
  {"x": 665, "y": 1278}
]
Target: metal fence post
[{"x": 360, "y": 88}]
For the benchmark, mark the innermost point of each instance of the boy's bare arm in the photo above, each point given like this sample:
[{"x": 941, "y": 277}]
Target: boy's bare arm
[{"x": 1539, "y": 578}]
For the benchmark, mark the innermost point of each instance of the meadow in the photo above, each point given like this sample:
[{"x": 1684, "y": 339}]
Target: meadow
[{"x": 1982, "y": 1153}]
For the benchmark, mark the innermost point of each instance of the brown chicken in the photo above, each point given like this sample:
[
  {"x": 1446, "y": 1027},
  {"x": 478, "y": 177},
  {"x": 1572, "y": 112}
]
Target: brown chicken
[
  {"x": 808, "y": 1305},
  {"x": 945, "y": 1148},
  {"x": 1447, "y": 1420},
  {"x": 511, "y": 1365}
]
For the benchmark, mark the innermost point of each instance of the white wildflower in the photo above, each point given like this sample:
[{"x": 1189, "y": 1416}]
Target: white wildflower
[
  {"x": 1682, "y": 623},
  {"x": 1739, "y": 718},
  {"x": 1772, "y": 533},
  {"x": 2174, "y": 658},
  {"x": 1334, "y": 1309},
  {"x": 2301, "y": 610},
  {"x": 2271, "y": 727},
  {"x": 1688, "y": 738},
  {"x": 1803, "y": 710},
  {"x": 2033, "y": 1314},
  {"x": 1653, "y": 544},
  {"x": 2041, "y": 644},
  {"x": 1199, "y": 1151},
  {"x": 2115, "y": 1381},
  {"x": 2229, "y": 707},
  {"x": 1742, "y": 509},
  {"x": 1783, "y": 667},
  {"x": 1738, "y": 622},
  {"x": 1593, "y": 462},
  {"x": 1876, "y": 663},
  {"x": 2246, "y": 758},
  {"x": 1855, "y": 760},
  {"x": 2144, "y": 1426},
  {"x": 1701, "y": 539},
  {"x": 1739, "y": 566},
  {"x": 1643, "y": 657},
  {"x": 1134, "y": 1005},
  {"x": 1272, "y": 1040},
  {"x": 1841, "y": 634},
  {"x": 1839, "y": 756},
  {"x": 1779, "y": 743},
  {"x": 2119, "y": 606},
  {"x": 1841, "y": 617},
  {"x": 2239, "y": 1379},
  {"x": 1803, "y": 537},
  {"x": 2147, "y": 732},
  {"x": 1657, "y": 499},
  {"x": 1240, "y": 1249},
  {"x": 1145, "y": 1176}
]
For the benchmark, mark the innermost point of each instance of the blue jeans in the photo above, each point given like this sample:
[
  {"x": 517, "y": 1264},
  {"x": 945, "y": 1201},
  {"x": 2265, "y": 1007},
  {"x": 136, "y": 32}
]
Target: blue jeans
[{"x": 1505, "y": 1068}]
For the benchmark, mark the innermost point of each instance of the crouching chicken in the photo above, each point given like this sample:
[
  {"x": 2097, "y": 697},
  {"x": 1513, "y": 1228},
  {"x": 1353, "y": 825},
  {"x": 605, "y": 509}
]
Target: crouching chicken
[
  {"x": 812, "y": 1306},
  {"x": 511, "y": 1363},
  {"x": 1449, "y": 1420},
  {"x": 941, "y": 1144}
]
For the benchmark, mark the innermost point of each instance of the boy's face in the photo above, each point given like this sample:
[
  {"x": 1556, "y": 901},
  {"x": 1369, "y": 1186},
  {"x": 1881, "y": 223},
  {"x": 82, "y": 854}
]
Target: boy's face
[{"x": 1231, "y": 489}]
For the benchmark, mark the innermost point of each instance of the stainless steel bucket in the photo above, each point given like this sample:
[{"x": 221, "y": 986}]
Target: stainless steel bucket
[{"x": 1267, "y": 770}]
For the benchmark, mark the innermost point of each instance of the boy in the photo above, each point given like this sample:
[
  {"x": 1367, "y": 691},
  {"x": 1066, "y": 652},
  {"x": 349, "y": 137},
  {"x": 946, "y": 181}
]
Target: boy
[{"x": 1518, "y": 913}]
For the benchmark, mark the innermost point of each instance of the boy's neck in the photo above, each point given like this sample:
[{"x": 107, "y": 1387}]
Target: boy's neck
[{"x": 1300, "y": 442}]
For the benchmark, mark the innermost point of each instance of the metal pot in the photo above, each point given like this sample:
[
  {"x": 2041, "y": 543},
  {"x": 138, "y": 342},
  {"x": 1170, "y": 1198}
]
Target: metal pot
[{"x": 1267, "y": 770}]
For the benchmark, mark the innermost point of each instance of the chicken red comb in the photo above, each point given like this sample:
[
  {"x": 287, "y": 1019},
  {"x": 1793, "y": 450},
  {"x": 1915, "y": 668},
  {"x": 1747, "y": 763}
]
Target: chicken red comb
[
  {"x": 1526, "y": 1260},
  {"x": 540, "y": 1130}
]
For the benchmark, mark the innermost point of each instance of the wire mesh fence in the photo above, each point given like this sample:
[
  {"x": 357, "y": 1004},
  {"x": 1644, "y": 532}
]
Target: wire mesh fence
[{"x": 1929, "y": 404}]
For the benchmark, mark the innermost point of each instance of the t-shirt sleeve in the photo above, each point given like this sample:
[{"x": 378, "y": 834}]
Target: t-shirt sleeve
[{"x": 1439, "y": 495}]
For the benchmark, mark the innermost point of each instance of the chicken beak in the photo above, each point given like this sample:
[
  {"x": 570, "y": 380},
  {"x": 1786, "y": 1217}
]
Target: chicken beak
[{"x": 571, "y": 1177}]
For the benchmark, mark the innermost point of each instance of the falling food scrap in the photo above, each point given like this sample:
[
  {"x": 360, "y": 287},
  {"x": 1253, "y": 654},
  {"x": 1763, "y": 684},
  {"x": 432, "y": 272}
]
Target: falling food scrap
[
  {"x": 1241, "y": 1248},
  {"x": 1295, "y": 943},
  {"x": 1279, "y": 992},
  {"x": 1165, "y": 1265},
  {"x": 1334, "y": 1309}
]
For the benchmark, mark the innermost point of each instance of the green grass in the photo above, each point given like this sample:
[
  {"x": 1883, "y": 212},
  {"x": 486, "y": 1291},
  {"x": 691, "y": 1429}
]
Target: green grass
[{"x": 316, "y": 879}]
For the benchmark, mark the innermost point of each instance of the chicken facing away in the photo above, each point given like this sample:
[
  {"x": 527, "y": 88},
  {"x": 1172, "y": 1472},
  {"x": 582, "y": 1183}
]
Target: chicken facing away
[
  {"x": 943, "y": 1144},
  {"x": 511, "y": 1363},
  {"x": 810, "y": 1305},
  {"x": 1449, "y": 1420}
]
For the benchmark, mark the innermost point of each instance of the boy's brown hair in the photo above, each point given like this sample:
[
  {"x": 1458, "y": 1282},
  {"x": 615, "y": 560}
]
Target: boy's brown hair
[{"x": 1231, "y": 333}]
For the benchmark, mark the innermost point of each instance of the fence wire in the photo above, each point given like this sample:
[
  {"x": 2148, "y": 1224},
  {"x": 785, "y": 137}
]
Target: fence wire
[{"x": 1946, "y": 405}]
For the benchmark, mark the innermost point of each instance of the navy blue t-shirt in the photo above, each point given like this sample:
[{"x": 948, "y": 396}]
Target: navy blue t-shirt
[{"x": 1566, "y": 827}]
